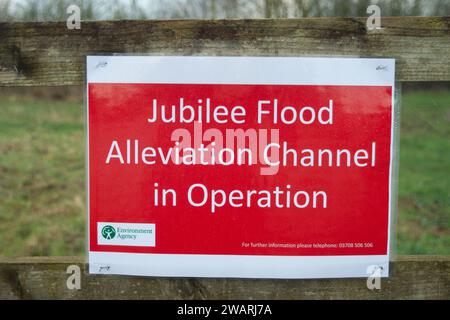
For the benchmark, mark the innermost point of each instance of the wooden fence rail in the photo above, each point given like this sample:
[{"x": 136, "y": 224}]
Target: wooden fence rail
[
  {"x": 34, "y": 54},
  {"x": 412, "y": 277}
]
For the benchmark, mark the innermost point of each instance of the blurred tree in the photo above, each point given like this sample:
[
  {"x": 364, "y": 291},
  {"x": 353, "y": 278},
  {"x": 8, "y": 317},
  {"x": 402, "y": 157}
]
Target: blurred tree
[
  {"x": 136, "y": 11},
  {"x": 118, "y": 10},
  {"x": 276, "y": 9},
  {"x": 396, "y": 8},
  {"x": 442, "y": 8},
  {"x": 29, "y": 10},
  {"x": 416, "y": 9},
  {"x": 231, "y": 8},
  {"x": 45, "y": 10},
  {"x": 303, "y": 8},
  {"x": 361, "y": 7},
  {"x": 342, "y": 8},
  {"x": 87, "y": 10},
  {"x": 5, "y": 14}
]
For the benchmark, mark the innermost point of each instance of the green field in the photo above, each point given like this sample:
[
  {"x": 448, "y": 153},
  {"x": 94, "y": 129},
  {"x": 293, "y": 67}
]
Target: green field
[
  {"x": 42, "y": 176},
  {"x": 424, "y": 174}
]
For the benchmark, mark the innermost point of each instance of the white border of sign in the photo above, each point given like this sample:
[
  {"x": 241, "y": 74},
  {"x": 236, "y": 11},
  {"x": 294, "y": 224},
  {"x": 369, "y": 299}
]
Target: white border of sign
[{"x": 240, "y": 70}]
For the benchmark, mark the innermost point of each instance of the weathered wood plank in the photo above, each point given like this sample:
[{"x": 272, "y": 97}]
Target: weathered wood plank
[
  {"x": 34, "y": 54},
  {"x": 412, "y": 277}
]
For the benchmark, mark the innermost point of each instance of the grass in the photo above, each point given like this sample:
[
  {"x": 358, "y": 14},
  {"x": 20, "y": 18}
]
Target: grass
[
  {"x": 42, "y": 178},
  {"x": 424, "y": 174},
  {"x": 42, "y": 200}
]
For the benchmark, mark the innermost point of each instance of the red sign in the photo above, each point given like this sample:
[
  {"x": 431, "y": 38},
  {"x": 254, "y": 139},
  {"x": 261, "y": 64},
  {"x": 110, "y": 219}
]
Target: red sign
[{"x": 219, "y": 170}]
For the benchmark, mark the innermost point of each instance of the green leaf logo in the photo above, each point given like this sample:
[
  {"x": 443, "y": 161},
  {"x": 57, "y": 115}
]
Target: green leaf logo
[{"x": 108, "y": 232}]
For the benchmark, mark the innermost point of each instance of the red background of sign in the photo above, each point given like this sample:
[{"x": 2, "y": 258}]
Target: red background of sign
[{"x": 358, "y": 198}]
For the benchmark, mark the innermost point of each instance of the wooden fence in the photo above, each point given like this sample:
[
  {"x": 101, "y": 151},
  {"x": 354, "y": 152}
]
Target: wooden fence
[
  {"x": 412, "y": 277},
  {"x": 49, "y": 54},
  {"x": 34, "y": 54}
]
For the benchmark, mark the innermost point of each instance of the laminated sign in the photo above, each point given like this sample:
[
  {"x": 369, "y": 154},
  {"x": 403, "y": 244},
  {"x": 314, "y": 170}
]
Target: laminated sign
[{"x": 258, "y": 167}]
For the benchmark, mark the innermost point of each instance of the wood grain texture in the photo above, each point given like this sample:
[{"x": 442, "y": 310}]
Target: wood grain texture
[
  {"x": 33, "y": 54},
  {"x": 412, "y": 277}
]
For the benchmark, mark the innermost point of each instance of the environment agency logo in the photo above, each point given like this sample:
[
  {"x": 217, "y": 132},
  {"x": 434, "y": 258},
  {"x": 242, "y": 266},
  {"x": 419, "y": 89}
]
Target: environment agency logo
[
  {"x": 126, "y": 234},
  {"x": 108, "y": 232}
]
